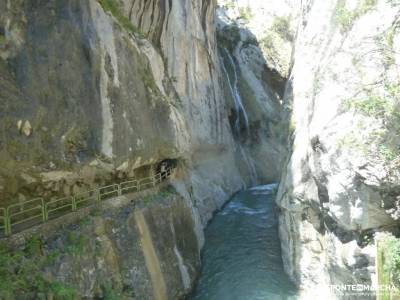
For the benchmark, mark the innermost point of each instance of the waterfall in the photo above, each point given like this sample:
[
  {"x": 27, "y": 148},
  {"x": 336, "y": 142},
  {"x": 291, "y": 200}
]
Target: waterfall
[
  {"x": 250, "y": 165},
  {"x": 235, "y": 93},
  {"x": 240, "y": 111}
]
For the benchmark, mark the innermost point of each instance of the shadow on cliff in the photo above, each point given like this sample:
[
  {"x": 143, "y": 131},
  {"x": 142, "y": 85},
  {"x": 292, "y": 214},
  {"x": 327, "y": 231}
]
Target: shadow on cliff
[{"x": 254, "y": 94}]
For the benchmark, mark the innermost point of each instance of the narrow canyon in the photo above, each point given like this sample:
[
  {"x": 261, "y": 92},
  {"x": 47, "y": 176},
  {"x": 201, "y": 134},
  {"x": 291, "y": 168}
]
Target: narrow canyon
[{"x": 166, "y": 149}]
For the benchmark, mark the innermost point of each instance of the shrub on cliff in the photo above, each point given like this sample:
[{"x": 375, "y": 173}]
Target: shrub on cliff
[
  {"x": 245, "y": 13},
  {"x": 346, "y": 17},
  {"x": 392, "y": 261},
  {"x": 281, "y": 26},
  {"x": 22, "y": 276},
  {"x": 113, "y": 7}
]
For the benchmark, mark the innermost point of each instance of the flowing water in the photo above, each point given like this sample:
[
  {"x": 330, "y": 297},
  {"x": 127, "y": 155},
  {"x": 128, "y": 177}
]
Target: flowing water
[
  {"x": 241, "y": 114},
  {"x": 242, "y": 255},
  {"x": 233, "y": 86}
]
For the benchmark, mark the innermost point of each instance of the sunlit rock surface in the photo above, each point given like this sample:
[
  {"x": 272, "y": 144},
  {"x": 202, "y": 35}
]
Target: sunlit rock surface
[
  {"x": 97, "y": 92},
  {"x": 341, "y": 180}
]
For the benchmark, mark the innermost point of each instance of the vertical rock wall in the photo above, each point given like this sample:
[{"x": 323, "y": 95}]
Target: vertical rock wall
[
  {"x": 340, "y": 184},
  {"x": 129, "y": 83},
  {"x": 99, "y": 91}
]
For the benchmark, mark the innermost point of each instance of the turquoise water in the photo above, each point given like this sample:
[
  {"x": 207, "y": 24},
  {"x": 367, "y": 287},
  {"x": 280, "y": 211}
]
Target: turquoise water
[{"x": 242, "y": 255}]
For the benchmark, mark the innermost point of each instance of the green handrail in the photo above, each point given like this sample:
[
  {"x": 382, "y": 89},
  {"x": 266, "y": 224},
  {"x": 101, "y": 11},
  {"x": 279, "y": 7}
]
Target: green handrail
[
  {"x": 129, "y": 186},
  {"x": 57, "y": 205},
  {"x": 145, "y": 183},
  {"x": 84, "y": 198},
  {"x": 3, "y": 220},
  {"x": 18, "y": 214},
  {"x": 35, "y": 211},
  {"x": 109, "y": 191}
]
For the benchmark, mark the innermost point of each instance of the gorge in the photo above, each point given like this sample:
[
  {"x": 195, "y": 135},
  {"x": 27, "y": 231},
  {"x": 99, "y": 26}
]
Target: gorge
[{"x": 233, "y": 94}]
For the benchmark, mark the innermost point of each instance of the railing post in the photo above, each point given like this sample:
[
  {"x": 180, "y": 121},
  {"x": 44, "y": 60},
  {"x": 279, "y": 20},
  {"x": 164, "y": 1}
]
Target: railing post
[
  {"x": 97, "y": 195},
  {"x": 119, "y": 190},
  {"x": 5, "y": 226},
  {"x": 45, "y": 216},
  {"x": 45, "y": 213},
  {"x": 98, "y": 200},
  {"x": 74, "y": 208},
  {"x": 8, "y": 221}
]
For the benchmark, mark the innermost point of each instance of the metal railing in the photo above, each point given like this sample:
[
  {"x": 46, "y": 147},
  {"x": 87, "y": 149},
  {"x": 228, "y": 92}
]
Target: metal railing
[
  {"x": 3, "y": 220},
  {"x": 20, "y": 216}
]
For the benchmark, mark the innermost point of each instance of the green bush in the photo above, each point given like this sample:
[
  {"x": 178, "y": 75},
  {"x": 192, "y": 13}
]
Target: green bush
[
  {"x": 384, "y": 109},
  {"x": 281, "y": 25},
  {"x": 170, "y": 190},
  {"x": 3, "y": 39},
  {"x": 387, "y": 153},
  {"x": 267, "y": 42},
  {"x": 229, "y": 36},
  {"x": 245, "y": 13},
  {"x": 62, "y": 291},
  {"x": 113, "y": 7},
  {"x": 229, "y": 5},
  {"x": 346, "y": 18},
  {"x": 34, "y": 246},
  {"x": 21, "y": 273},
  {"x": 109, "y": 293},
  {"x": 392, "y": 260},
  {"x": 148, "y": 199},
  {"x": 373, "y": 106},
  {"x": 76, "y": 243}
]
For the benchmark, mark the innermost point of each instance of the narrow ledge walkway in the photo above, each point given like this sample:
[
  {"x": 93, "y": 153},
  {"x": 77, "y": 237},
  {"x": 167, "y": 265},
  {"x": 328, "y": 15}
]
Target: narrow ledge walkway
[{"x": 24, "y": 216}]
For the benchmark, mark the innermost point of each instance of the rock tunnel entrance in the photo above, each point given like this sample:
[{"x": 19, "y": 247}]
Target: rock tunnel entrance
[{"x": 159, "y": 167}]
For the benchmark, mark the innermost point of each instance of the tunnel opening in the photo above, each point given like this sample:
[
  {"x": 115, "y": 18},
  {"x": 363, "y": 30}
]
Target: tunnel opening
[{"x": 164, "y": 165}]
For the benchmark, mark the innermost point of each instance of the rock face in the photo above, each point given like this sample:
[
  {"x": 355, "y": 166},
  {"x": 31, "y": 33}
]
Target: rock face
[
  {"x": 142, "y": 249},
  {"x": 97, "y": 91},
  {"x": 92, "y": 92},
  {"x": 129, "y": 84},
  {"x": 341, "y": 180},
  {"x": 256, "y": 83}
]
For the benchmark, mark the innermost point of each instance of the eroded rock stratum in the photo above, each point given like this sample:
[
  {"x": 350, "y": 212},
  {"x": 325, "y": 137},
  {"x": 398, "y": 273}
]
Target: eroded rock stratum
[
  {"x": 97, "y": 92},
  {"x": 341, "y": 182}
]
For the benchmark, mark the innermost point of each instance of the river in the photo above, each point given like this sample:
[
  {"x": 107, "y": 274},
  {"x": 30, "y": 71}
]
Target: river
[{"x": 242, "y": 256}]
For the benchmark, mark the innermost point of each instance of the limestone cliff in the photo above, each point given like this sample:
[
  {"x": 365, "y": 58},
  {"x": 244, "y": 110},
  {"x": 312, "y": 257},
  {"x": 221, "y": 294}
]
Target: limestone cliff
[
  {"x": 255, "y": 55},
  {"x": 133, "y": 247},
  {"x": 94, "y": 92},
  {"x": 106, "y": 89},
  {"x": 99, "y": 91},
  {"x": 341, "y": 181}
]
